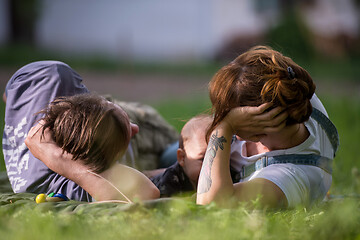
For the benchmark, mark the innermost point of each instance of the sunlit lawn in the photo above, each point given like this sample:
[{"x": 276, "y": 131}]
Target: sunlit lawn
[{"x": 336, "y": 219}]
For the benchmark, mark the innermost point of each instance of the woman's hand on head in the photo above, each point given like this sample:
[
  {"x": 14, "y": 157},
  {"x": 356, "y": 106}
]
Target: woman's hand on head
[{"x": 251, "y": 122}]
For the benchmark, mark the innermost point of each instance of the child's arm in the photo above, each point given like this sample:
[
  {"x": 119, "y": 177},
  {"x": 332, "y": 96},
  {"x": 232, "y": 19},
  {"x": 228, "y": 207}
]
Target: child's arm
[{"x": 111, "y": 184}]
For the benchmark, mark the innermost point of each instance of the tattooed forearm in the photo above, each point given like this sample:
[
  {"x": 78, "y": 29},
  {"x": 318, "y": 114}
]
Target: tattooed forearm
[{"x": 205, "y": 180}]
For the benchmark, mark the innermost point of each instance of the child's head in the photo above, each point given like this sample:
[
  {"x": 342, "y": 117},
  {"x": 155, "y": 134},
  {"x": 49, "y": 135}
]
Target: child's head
[
  {"x": 92, "y": 129},
  {"x": 262, "y": 75},
  {"x": 192, "y": 146}
]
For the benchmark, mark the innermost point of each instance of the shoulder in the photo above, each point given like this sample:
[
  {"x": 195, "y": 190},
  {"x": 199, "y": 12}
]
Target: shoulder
[{"x": 316, "y": 103}]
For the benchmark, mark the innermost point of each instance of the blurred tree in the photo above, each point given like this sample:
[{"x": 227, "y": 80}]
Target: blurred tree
[
  {"x": 287, "y": 4},
  {"x": 23, "y": 15},
  {"x": 291, "y": 34}
]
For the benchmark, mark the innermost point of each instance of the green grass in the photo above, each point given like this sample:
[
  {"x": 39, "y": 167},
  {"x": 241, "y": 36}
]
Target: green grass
[
  {"x": 336, "y": 219},
  {"x": 345, "y": 113},
  {"x": 178, "y": 112},
  {"x": 17, "y": 55},
  {"x": 183, "y": 220}
]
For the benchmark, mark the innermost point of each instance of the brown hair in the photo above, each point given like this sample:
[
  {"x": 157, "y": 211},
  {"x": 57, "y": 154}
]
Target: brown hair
[
  {"x": 86, "y": 126},
  {"x": 258, "y": 76}
]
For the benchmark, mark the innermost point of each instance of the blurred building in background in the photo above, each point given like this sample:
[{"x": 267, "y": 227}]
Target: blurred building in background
[
  {"x": 166, "y": 30},
  {"x": 334, "y": 25}
]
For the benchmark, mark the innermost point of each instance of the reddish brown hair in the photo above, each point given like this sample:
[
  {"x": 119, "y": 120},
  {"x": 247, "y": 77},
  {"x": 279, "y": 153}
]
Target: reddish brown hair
[
  {"x": 86, "y": 126},
  {"x": 261, "y": 75}
]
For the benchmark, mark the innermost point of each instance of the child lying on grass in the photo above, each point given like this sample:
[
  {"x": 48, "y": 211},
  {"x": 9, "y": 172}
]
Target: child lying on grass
[
  {"x": 78, "y": 140},
  {"x": 183, "y": 175}
]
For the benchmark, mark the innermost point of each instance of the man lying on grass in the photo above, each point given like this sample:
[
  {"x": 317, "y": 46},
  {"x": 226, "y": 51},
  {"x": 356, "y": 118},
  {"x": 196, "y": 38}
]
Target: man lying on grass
[{"x": 80, "y": 136}]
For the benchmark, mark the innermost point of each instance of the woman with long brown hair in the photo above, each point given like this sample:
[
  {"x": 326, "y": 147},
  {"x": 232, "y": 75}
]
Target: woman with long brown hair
[{"x": 281, "y": 165}]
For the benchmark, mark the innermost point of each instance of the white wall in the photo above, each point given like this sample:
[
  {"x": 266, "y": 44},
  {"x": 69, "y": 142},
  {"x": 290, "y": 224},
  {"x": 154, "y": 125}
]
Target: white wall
[
  {"x": 141, "y": 29},
  {"x": 333, "y": 18}
]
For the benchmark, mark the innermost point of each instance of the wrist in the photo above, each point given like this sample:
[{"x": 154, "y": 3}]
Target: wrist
[{"x": 225, "y": 128}]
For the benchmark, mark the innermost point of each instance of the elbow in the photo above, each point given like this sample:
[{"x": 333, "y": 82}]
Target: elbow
[
  {"x": 223, "y": 198},
  {"x": 203, "y": 200},
  {"x": 220, "y": 202},
  {"x": 154, "y": 193},
  {"x": 151, "y": 192}
]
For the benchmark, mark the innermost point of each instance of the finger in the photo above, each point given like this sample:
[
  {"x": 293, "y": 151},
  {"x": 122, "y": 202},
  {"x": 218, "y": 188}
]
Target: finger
[
  {"x": 259, "y": 110},
  {"x": 276, "y": 111},
  {"x": 277, "y": 123},
  {"x": 47, "y": 136},
  {"x": 33, "y": 136},
  {"x": 276, "y": 128},
  {"x": 270, "y": 125},
  {"x": 263, "y": 107},
  {"x": 269, "y": 116},
  {"x": 34, "y": 130},
  {"x": 279, "y": 119}
]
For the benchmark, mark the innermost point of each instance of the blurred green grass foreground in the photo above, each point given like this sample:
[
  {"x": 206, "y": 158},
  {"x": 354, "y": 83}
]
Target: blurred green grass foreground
[{"x": 337, "y": 218}]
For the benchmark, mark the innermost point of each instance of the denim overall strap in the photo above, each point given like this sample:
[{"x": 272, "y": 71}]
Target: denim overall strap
[
  {"x": 328, "y": 127},
  {"x": 301, "y": 159}
]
